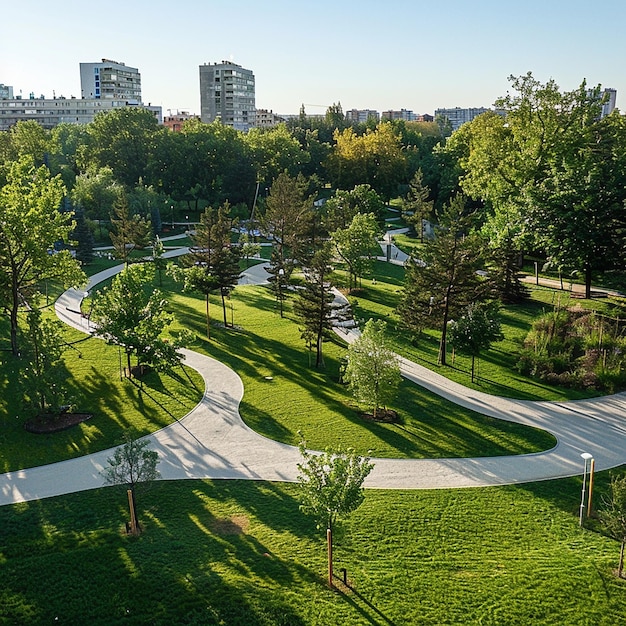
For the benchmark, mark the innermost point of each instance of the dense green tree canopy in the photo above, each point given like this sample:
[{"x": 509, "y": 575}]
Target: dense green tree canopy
[
  {"x": 30, "y": 226},
  {"x": 552, "y": 165}
]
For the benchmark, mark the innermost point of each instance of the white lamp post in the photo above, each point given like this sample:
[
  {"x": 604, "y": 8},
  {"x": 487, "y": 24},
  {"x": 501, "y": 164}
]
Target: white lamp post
[
  {"x": 586, "y": 457},
  {"x": 281, "y": 277}
]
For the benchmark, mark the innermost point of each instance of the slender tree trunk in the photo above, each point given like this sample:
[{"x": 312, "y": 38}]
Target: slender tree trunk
[
  {"x": 224, "y": 309},
  {"x": 473, "y": 359},
  {"x": 208, "y": 319},
  {"x": 620, "y": 567},
  {"x": 444, "y": 333},
  {"x": 130, "y": 371},
  {"x": 329, "y": 542},
  {"x": 14, "y": 324}
]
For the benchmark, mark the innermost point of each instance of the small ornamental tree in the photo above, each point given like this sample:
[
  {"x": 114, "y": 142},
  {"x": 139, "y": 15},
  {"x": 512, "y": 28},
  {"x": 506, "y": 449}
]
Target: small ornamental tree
[
  {"x": 131, "y": 314},
  {"x": 373, "y": 370},
  {"x": 357, "y": 246},
  {"x": 613, "y": 516},
  {"x": 132, "y": 464},
  {"x": 331, "y": 487},
  {"x": 476, "y": 329}
]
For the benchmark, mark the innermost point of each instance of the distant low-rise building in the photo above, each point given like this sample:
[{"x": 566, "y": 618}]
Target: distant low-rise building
[
  {"x": 361, "y": 116},
  {"x": 402, "y": 114},
  {"x": 50, "y": 112},
  {"x": 267, "y": 119},
  {"x": 459, "y": 116},
  {"x": 175, "y": 122}
]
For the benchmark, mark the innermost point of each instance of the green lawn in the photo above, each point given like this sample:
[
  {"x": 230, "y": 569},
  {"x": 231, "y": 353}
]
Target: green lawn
[
  {"x": 497, "y": 374},
  {"x": 241, "y": 553},
  {"x": 93, "y": 368},
  {"x": 285, "y": 394}
]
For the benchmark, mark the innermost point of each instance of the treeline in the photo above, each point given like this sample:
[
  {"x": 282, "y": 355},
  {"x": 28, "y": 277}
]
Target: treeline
[{"x": 207, "y": 164}]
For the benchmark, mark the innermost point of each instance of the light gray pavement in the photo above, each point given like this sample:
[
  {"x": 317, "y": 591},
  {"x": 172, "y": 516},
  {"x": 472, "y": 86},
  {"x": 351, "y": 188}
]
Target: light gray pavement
[{"x": 213, "y": 442}]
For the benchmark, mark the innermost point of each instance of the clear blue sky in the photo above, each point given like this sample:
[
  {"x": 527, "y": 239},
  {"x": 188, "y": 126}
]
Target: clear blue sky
[{"x": 381, "y": 55}]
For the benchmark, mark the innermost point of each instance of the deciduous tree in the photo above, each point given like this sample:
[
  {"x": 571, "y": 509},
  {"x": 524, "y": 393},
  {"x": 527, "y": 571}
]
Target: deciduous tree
[
  {"x": 30, "y": 225},
  {"x": 476, "y": 329},
  {"x": 331, "y": 487},
  {"x": 132, "y": 315},
  {"x": 357, "y": 245},
  {"x": 132, "y": 464},
  {"x": 373, "y": 370}
]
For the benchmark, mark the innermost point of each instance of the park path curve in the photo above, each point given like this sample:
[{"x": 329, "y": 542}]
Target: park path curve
[{"x": 213, "y": 442}]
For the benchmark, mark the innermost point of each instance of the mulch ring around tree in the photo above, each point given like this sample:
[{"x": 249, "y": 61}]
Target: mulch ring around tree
[
  {"x": 386, "y": 416},
  {"x": 49, "y": 423}
]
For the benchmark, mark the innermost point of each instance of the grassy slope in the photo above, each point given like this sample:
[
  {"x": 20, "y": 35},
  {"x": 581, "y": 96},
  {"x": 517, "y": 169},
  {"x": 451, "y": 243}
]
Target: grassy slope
[
  {"x": 242, "y": 553},
  {"x": 93, "y": 368},
  {"x": 300, "y": 398}
]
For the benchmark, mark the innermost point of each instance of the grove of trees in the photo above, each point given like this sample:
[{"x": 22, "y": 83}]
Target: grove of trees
[{"x": 542, "y": 174}]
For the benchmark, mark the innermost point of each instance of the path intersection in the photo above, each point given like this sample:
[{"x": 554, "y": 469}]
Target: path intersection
[{"x": 212, "y": 441}]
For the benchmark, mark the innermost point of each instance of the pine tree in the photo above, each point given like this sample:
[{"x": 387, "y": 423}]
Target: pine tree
[
  {"x": 445, "y": 281},
  {"x": 129, "y": 232},
  {"x": 83, "y": 236},
  {"x": 416, "y": 206},
  {"x": 313, "y": 305}
]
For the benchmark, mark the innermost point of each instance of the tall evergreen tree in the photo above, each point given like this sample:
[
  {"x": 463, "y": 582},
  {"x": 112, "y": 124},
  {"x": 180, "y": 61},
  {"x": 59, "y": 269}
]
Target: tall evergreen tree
[
  {"x": 83, "y": 236},
  {"x": 444, "y": 282},
  {"x": 313, "y": 306},
  {"x": 416, "y": 207},
  {"x": 288, "y": 220},
  {"x": 213, "y": 262},
  {"x": 129, "y": 232}
]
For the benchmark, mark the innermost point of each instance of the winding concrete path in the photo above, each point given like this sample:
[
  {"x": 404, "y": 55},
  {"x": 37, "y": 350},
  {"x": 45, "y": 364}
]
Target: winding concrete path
[{"x": 213, "y": 442}]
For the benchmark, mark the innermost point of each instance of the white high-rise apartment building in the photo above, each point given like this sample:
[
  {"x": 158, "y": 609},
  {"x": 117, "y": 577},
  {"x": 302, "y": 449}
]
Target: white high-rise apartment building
[
  {"x": 459, "y": 116},
  {"x": 227, "y": 92},
  {"x": 110, "y": 80},
  {"x": 611, "y": 100}
]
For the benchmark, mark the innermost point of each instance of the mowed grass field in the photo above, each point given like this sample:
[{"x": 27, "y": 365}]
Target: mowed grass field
[
  {"x": 286, "y": 395},
  {"x": 236, "y": 552},
  {"x": 242, "y": 553}
]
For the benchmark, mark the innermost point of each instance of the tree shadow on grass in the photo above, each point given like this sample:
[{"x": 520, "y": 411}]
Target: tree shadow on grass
[
  {"x": 360, "y": 603},
  {"x": 188, "y": 566}
]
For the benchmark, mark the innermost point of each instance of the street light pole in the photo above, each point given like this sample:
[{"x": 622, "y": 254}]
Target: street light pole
[
  {"x": 586, "y": 457},
  {"x": 281, "y": 276}
]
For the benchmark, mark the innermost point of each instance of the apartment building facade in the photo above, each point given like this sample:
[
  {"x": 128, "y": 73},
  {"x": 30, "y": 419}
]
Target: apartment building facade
[
  {"x": 110, "y": 80},
  {"x": 227, "y": 93}
]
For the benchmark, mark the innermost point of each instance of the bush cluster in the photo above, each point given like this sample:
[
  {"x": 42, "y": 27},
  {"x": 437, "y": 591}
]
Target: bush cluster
[{"x": 576, "y": 349}]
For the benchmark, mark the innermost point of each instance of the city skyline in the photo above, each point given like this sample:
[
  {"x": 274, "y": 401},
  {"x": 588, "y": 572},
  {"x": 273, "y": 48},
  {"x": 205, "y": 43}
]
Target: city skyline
[{"x": 405, "y": 54}]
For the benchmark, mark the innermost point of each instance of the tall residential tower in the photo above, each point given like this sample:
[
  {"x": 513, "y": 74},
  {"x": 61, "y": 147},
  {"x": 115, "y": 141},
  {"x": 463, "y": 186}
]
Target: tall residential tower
[
  {"x": 227, "y": 92},
  {"x": 110, "y": 80}
]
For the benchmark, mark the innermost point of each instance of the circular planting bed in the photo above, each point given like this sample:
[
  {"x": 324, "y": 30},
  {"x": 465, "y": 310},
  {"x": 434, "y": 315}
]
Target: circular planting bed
[{"x": 48, "y": 423}]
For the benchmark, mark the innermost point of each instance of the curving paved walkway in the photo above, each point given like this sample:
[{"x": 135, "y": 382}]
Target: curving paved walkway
[{"x": 213, "y": 442}]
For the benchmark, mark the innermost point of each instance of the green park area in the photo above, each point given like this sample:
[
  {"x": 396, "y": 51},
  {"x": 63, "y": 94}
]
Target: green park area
[{"x": 465, "y": 292}]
